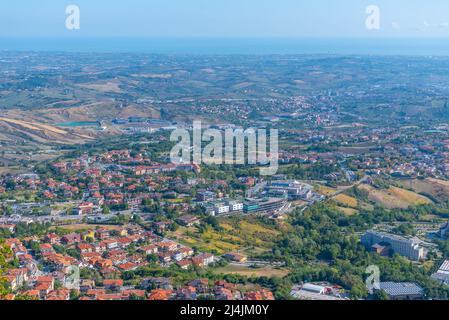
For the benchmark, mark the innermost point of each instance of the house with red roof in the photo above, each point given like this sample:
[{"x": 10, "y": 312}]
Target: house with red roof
[
  {"x": 160, "y": 294},
  {"x": 114, "y": 285}
]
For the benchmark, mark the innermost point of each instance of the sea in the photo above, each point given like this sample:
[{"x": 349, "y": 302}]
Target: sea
[{"x": 252, "y": 46}]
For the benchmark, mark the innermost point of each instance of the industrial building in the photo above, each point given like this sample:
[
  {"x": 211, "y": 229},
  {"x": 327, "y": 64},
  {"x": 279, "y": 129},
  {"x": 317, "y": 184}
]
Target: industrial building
[{"x": 402, "y": 290}]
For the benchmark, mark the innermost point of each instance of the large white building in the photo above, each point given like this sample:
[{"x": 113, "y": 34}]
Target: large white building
[
  {"x": 291, "y": 189},
  {"x": 221, "y": 208},
  {"x": 409, "y": 248},
  {"x": 215, "y": 208}
]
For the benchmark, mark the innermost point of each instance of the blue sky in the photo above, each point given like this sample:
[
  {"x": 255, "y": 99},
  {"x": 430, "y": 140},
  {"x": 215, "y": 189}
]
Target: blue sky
[{"x": 225, "y": 18}]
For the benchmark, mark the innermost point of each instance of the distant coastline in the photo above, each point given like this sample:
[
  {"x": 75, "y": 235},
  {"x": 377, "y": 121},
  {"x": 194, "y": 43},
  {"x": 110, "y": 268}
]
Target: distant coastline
[{"x": 224, "y": 46}]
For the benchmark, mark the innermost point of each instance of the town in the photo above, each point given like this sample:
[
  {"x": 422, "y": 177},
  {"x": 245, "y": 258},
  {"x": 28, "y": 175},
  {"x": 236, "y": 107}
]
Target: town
[{"x": 93, "y": 207}]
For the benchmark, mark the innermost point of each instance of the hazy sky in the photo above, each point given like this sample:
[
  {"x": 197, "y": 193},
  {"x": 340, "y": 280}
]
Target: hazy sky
[{"x": 225, "y": 18}]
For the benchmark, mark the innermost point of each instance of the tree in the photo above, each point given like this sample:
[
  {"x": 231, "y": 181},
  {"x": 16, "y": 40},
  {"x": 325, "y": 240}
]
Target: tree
[
  {"x": 358, "y": 291},
  {"x": 381, "y": 295},
  {"x": 5, "y": 256},
  {"x": 106, "y": 210},
  {"x": 74, "y": 295},
  {"x": 152, "y": 258},
  {"x": 213, "y": 222}
]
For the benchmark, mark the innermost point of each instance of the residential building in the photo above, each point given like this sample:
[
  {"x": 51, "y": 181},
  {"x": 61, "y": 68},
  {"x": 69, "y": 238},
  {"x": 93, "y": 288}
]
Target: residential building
[
  {"x": 188, "y": 220},
  {"x": 235, "y": 205},
  {"x": 205, "y": 196},
  {"x": 203, "y": 260}
]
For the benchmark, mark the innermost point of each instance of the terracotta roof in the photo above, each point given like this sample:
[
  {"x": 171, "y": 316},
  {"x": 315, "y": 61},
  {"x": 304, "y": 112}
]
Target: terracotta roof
[{"x": 160, "y": 294}]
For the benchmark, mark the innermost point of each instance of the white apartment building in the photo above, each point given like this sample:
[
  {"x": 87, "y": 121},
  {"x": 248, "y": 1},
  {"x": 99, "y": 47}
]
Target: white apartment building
[
  {"x": 235, "y": 205},
  {"x": 221, "y": 208}
]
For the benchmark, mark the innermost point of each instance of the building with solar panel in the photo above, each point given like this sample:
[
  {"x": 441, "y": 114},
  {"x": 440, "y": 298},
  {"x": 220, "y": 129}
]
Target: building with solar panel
[{"x": 402, "y": 290}]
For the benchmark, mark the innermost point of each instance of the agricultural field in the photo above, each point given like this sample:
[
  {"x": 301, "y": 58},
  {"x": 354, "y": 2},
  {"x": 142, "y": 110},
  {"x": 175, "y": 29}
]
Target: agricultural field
[
  {"x": 250, "y": 271},
  {"x": 324, "y": 190},
  {"x": 109, "y": 86},
  {"x": 437, "y": 190},
  {"x": 237, "y": 234},
  {"x": 394, "y": 198},
  {"x": 346, "y": 200},
  {"x": 10, "y": 170},
  {"x": 348, "y": 211}
]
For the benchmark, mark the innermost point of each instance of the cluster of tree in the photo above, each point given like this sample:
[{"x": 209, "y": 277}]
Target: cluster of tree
[
  {"x": 325, "y": 246},
  {"x": 67, "y": 251},
  {"x": 405, "y": 229},
  {"x": 5, "y": 258},
  {"x": 31, "y": 229}
]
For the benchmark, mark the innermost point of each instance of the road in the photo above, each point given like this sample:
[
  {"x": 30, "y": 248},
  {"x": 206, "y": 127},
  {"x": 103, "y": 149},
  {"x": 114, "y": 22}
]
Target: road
[{"x": 363, "y": 180}]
